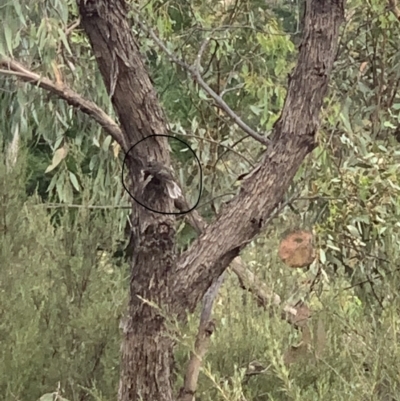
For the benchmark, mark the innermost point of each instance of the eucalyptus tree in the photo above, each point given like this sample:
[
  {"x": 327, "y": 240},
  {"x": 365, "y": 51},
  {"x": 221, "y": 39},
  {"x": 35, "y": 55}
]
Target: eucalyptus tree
[{"x": 164, "y": 283}]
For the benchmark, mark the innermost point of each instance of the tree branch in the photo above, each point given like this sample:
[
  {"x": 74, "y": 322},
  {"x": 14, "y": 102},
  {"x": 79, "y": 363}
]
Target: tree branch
[
  {"x": 206, "y": 329},
  {"x": 13, "y": 68},
  {"x": 194, "y": 72},
  {"x": 294, "y": 138},
  {"x": 392, "y": 5},
  {"x": 249, "y": 282},
  {"x": 16, "y": 69}
]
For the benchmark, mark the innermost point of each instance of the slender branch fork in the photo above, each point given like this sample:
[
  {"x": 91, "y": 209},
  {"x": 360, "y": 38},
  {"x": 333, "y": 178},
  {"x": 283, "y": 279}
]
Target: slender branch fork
[{"x": 194, "y": 72}]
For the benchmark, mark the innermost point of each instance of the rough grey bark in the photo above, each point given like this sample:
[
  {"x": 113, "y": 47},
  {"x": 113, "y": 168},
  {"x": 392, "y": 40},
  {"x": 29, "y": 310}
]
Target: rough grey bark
[
  {"x": 293, "y": 138},
  {"x": 157, "y": 276},
  {"x": 146, "y": 350}
]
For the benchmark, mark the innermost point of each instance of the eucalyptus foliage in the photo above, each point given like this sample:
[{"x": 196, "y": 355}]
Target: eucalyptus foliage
[{"x": 61, "y": 297}]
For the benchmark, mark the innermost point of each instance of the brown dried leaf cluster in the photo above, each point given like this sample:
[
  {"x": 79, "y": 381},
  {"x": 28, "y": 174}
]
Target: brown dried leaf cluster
[{"x": 297, "y": 249}]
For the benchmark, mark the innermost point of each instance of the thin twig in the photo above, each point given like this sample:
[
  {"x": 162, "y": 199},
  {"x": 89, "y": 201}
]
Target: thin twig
[
  {"x": 195, "y": 74},
  {"x": 77, "y": 206},
  {"x": 228, "y": 148}
]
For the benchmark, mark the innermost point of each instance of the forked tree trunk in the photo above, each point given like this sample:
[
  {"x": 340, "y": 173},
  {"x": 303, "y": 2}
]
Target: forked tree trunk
[{"x": 157, "y": 276}]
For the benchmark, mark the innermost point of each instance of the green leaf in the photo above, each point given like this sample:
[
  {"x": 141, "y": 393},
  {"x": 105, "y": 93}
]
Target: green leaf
[
  {"x": 68, "y": 193},
  {"x": 17, "y": 7},
  {"x": 63, "y": 10},
  {"x": 353, "y": 231},
  {"x": 52, "y": 184},
  {"x": 8, "y": 36},
  {"x": 47, "y": 397},
  {"x": 64, "y": 39},
  {"x": 202, "y": 94},
  {"x": 74, "y": 181},
  {"x": 344, "y": 116},
  {"x": 60, "y": 187},
  {"x": 256, "y": 110},
  {"x": 59, "y": 155},
  {"x": 106, "y": 143},
  {"x": 322, "y": 256},
  {"x": 388, "y": 124}
]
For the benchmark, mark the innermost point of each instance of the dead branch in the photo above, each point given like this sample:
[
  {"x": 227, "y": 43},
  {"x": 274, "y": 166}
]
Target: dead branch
[{"x": 206, "y": 329}]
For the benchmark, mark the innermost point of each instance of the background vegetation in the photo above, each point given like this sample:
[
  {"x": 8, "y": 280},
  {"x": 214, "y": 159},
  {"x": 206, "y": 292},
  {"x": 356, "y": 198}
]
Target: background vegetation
[{"x": 63, "y": 284}]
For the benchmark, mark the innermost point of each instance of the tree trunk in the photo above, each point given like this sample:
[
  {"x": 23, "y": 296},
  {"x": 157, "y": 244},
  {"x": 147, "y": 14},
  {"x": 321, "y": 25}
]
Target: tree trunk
[
  {"x": 147, "y": 361},
  {"x": 158, "y": 278}
]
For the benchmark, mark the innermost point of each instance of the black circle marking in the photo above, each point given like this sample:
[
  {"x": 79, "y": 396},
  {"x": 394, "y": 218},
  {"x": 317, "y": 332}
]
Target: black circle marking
[{"x": 157, "y": 211}]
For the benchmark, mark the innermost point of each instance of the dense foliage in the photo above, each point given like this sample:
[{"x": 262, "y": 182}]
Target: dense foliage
[{"x": 61, "y": 291}]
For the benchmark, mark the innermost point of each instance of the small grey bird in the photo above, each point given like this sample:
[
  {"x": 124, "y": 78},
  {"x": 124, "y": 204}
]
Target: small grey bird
[{"x": 158, "y": 176}]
